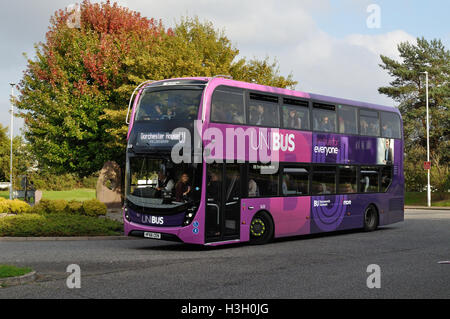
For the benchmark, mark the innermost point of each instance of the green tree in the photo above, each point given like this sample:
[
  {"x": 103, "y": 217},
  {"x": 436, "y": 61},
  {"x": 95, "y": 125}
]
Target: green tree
[
  {"x": 408, "y": 89},
  {"x": 74, "y": 94},
  {"x": 72, "y": 80},
  {"x": 23, "y": 160},
  {"x": 4, "y": 155}
]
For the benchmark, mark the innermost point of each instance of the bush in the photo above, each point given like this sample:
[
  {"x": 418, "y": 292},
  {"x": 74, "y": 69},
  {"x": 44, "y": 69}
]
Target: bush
[
  {"x": 18, "y": 207},
  {"x": 4, "y": 207},
  {"x": 57, "y": 206},
  {"x": 61, "y": 182},
  {"x": 94, "y": 207},
  {"x": 75, "y": 207},
  {"x": 61, "y": 225},
  {"x": 13, "y": 206},
  {"x": 90, "y": 182},
  {"x": 47, "y": 206},
  {"x": 41, "y": 208}
]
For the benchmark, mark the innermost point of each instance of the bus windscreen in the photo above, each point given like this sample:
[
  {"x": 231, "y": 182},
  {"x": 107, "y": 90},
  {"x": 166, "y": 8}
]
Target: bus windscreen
[
  {"x": 159, "y": 184},
  {"x": 169, "y": 104}
]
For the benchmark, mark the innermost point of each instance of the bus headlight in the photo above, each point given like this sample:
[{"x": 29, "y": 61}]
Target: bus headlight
[
  {"x": 190, "y": 214},
  {"x": 127, "y": 216}
]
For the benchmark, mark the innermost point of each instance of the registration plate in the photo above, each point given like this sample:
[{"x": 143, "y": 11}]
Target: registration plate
[{"x": 152, "y": 235}]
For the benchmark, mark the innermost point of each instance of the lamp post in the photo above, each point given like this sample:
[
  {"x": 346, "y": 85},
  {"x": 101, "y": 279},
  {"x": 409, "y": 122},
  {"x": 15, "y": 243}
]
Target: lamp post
[
  {"x": 428, "y": 141},
  {"x": 11, "y": 133}
]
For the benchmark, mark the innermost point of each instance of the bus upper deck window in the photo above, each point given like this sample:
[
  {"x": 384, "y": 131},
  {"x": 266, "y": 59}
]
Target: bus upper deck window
[
  {"x": 228, "y": 106},
  {"x": 348, "y": 119},
  {"x": 263, "y": 110},
  {"x": 172, "y": 104},
  {"x": 390, "y": 125},
  {"x": 369, "y": 123},
  {"x": 324, "y": 118},
  {"x": 295, "y": 114}
]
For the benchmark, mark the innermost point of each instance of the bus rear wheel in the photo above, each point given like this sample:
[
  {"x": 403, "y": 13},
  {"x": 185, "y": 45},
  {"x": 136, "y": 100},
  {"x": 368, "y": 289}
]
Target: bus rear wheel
[
  {"x": 261, "y": 229},
  {"x": 370, "y": 219}
]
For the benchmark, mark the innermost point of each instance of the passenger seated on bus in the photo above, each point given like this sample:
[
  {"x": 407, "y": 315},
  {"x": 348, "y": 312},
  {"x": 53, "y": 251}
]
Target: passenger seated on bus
[
  {"x": 346, "y": 189},
  {"x": 323, "y": 189},
  {"x": 294, "y": 121},
  {"x": 154, "y": 112},
  {"x": 386, "y": 131},
  {"x": 326, "y": 125},
  {"x": 253, "y": 190},
  {"x": 259, "y": 117},
  {"x": 236, "y": 117},
  {"x": 182, "y": 189}
]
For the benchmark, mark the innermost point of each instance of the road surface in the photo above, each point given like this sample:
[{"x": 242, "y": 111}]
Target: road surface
[{"x": 325, "y": 266}]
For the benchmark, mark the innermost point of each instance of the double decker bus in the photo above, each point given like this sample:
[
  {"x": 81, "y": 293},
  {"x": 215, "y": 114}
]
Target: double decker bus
[{"x": 214, "y": 161}]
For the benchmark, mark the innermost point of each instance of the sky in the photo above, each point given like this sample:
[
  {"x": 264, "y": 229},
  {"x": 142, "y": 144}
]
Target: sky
[{"x": 332, "y": 47}]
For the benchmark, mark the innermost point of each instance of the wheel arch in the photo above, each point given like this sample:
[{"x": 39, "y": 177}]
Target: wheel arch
[
  {"x": 377, "y": 210},
  {"x": 270, "y": 215}
]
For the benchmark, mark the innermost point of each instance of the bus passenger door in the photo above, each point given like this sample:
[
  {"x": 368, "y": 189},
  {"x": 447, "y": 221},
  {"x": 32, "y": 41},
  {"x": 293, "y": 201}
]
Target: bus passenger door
[
  {"x": 232, "y": 201},
  {"x": 223, "y": 192}
]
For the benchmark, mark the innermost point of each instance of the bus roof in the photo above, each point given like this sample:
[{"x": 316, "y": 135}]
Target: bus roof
[{"x": 274, "y": 90}]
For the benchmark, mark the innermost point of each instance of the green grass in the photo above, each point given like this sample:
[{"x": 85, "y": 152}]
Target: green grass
[
  {"x": 420, "y": 199},
  {"x": 7, "y": 271},
  {"x": 75, "y": 194}
]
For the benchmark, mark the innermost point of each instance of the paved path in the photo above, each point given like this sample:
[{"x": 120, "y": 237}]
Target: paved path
[{"x": 306, "y": 267}]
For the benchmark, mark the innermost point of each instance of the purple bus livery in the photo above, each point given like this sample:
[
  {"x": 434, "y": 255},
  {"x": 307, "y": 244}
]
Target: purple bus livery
[{"x": 214, "y": 161}]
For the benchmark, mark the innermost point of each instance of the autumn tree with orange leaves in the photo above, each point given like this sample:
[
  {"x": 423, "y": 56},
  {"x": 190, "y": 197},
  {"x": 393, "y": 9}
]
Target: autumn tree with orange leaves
[{"x": 74, "y": 93}]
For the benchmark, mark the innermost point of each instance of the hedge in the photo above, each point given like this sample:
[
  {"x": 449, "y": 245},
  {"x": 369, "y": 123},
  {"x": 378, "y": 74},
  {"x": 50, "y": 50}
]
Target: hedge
[
  {"x": 57, "y": 225},
  {"x": 93, "y": 207},
  {"x": 64, "y": 182}
]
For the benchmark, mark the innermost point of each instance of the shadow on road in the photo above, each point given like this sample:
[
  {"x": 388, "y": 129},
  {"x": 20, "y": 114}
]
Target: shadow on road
[
  {"x": 330, "y": 234},
  {"x": 180, "y": 247},
  {"x": 189, "y": 247}
]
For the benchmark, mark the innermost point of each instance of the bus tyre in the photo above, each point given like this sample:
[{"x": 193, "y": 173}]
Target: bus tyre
[
  {"x": 261, "y": 229},
  {"x": 370, "y": 219}
]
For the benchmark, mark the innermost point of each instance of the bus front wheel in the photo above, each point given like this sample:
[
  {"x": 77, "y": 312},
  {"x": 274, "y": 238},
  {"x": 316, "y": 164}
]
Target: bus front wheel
[
  {"x": 261, "y": 229},
  {"x": 370, "y": 219}
]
